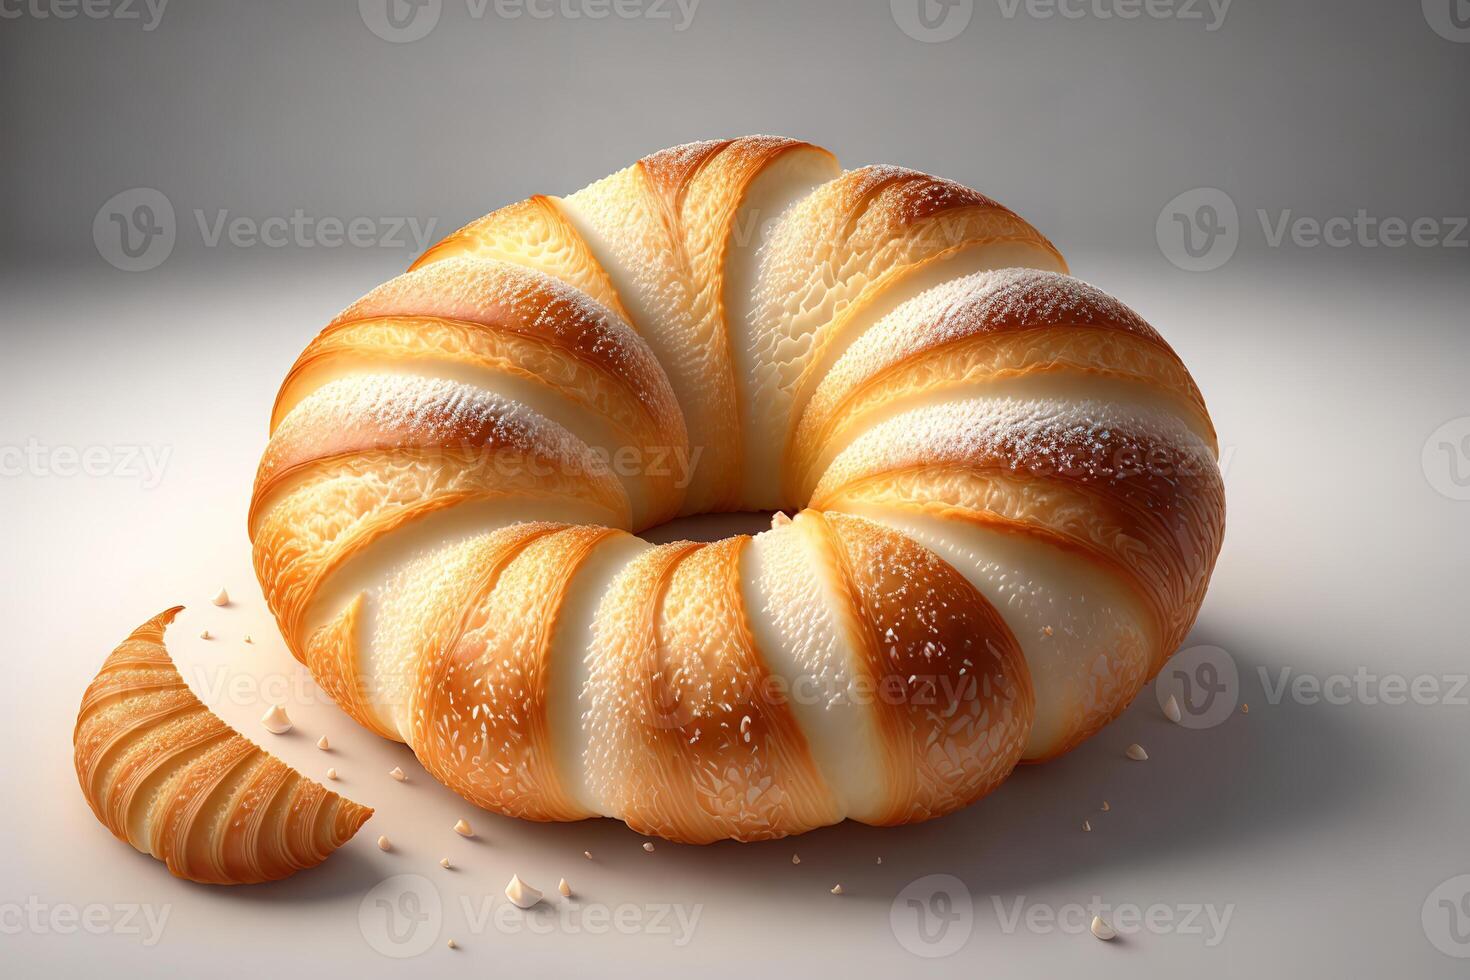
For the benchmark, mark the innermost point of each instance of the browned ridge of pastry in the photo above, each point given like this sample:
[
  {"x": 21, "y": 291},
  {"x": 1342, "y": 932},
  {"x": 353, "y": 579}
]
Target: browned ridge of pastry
[{"x": 166, "y": 775}]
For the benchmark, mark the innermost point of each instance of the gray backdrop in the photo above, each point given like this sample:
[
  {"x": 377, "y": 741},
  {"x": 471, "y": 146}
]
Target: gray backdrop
[{"x": 1086, "y": 124}]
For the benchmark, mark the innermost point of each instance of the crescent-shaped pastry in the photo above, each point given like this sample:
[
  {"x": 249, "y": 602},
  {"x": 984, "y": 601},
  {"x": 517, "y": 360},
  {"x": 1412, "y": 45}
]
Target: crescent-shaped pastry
[{"x": 166, "y": 775}]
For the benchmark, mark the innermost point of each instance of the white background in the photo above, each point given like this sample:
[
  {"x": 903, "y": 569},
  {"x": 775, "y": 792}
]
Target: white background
[{"x": 1323, "y": 828}]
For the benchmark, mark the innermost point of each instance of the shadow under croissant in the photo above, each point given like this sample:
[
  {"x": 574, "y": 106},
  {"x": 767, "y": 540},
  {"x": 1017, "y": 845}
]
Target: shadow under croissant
[{"x": 1279, "y": 770}]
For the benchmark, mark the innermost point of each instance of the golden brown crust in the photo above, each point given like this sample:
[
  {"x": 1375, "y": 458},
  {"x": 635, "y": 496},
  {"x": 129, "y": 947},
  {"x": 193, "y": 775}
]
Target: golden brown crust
[
  {"x": 845, "y": 255},
  {"x": 951, "y": 693},
  {"x": 505, "y": 319},
  {"x": 427, "y": 344},
  {"x": 479, "y": 718},
  {"x": 491, "y": 325},
  {"x": 368, "y": 455},
  {"x": 1148, "y": 507},
  {"x": 988, "y": 328},
  {"x": 333, "y": 655},
  {"x": 889, "y": 223},
  {"x": 670, "y": 171},
  {"x": 368, "y": 496},
  {"x": 167, "y": 776},
  {"x": 536, "y": 234},
  {"x": 504, "y": 298},
  {"x": 698, "y": 190},
  {"x": 664, "y": 227},
  {"x": 691, "y": 737}
]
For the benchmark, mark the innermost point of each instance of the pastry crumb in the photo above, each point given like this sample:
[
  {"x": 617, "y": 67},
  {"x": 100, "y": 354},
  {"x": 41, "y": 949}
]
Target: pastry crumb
[
  {"x": 276, "y": 721},
  {"x": 1171, "y": 710}
]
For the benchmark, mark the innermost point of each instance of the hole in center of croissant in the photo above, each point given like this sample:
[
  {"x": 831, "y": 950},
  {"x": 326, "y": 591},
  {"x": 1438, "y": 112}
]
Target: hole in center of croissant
[{"x": 709, "y": 527}]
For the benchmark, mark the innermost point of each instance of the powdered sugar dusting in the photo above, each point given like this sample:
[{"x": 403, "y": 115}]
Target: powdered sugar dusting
[
  {"x": 670, "y": 169},
  {"x": 1035, "y": 297},
  {"x": 506, "y": 296},
  {"x": 388, "y": 411},
  {"x": 912, "y": 194},
  {"x": 987, "y": 302},
  {"x": 1087, "y": 441}
]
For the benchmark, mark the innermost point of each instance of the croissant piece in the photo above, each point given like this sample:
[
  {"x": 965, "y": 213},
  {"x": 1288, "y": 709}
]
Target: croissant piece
[
  {"x": 166, "y": 775},
  {"x": 1007, "y": 499}
]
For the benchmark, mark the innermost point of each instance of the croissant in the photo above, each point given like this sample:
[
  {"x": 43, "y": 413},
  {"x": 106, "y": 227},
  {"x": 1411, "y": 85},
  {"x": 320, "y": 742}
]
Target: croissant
[
  {"x": 166, "y": 775},
  {"x": 1009, "y": 502}
]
